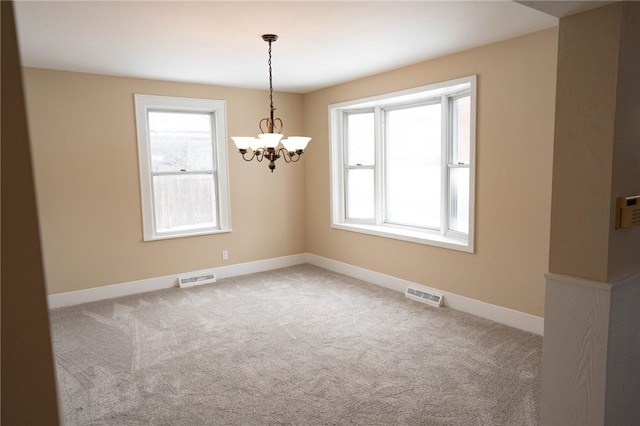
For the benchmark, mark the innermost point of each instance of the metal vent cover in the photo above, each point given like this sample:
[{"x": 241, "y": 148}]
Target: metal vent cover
[
  {"x": 192, "y": 280},
  {"x": 424, "y": 296}
]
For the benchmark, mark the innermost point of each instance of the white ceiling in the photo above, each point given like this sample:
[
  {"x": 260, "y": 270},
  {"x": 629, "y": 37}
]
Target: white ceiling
[{"x": 321, "y": 43}]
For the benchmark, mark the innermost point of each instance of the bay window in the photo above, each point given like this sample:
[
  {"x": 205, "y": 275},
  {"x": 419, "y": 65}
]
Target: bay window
[{"x": 403, "y": 164}]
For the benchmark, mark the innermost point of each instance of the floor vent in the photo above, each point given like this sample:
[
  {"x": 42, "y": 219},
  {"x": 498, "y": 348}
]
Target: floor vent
[
  {"x": 192, "y": 280},
  {"x": 424, "y": 296}
]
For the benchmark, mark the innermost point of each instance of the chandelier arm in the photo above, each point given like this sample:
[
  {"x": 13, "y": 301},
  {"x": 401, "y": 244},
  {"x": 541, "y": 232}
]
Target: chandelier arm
[
  {"x": 259, "y": 153},
  {"x": 285, "y": 155},
  {"x": 278, "y": 125},
  {"x": 264, "y": 120},
  {"x": 244, "y": 152},
  {"x": 290, "y": 156}
]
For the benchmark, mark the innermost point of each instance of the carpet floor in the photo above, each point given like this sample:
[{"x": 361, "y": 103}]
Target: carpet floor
[{"x": 298, "y": 345}]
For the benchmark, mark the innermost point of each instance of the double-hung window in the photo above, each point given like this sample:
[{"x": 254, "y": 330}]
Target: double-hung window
[
  {"x": 183, "y": 166},
  {"x": 403, "y": 164}
]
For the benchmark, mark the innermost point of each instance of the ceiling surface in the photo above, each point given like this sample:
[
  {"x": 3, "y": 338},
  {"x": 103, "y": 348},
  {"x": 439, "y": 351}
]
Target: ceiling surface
[{"x": 321, "y": 43}]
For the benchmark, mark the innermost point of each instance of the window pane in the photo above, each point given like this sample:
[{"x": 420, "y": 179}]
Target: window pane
[
  {"x": 459, "y": 209},
  {"x": 180, "y": 141},
  {"x": 360, "y": 194},
  {"x": 184, "y": 202},
  {"x": 413, "y": 167},
  {"x": 360, "y": 139},
  {"x": 462, "y": 130}
]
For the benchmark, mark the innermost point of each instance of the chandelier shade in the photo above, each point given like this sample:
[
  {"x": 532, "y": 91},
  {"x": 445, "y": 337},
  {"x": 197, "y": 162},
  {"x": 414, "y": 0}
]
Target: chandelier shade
[
  {"x": 269, "y": 143},
  {"x": 295, "y": 143}
]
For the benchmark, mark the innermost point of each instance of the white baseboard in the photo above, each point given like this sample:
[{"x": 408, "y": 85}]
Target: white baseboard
[
  {"x": 510, "y": 317},
  {"x": 70, "y": 298},
  {"x": 496, "y": 313}
]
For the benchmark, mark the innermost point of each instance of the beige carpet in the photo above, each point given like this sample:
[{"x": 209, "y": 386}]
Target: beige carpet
[{"x": 299, "y": 345}]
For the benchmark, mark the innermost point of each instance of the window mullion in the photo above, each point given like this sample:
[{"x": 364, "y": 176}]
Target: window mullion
[
  {"x": 378, "y": 171},
  {"x": 445, "y": 159},
  {"x": 183, "y": 172}
]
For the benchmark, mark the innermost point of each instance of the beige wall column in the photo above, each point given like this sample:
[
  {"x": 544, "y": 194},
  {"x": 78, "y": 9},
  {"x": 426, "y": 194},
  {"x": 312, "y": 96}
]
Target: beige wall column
[{"x": 592, "y": 309}]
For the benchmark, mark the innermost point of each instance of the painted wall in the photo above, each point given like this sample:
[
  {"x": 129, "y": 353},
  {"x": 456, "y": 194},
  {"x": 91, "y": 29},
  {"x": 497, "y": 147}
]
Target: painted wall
[
  {"x": 599, "y": 132},
  {"x": 581, "y": 199},
  {"x": 515, "y": 128},
  {"x": 83, "y": 134},
  {"x": 624, "y": 244}
]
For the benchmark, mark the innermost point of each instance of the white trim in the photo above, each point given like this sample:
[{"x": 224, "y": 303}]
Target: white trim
[
  {"x": 260, "y": 265},
  {"x": 510, "y": 317},
  {"x": 580, "y": 282},
  {"x": 495, "y": 313},
  {"x": 631, "y": 279},
  {"x": 411, "y": 95},
  {"x": 70, "y": 298},
  {"x": 426, "y": 237},
  {"x": 217, "y": 108}
]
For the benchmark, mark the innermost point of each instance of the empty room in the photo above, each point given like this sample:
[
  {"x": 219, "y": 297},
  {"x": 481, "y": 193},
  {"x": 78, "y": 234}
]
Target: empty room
[{"x": 318, "y": 212}]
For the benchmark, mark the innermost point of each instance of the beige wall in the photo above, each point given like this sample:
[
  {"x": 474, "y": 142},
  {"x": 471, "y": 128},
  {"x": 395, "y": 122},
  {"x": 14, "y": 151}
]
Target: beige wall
[
  {"x": 516, "y": 104},
  {"x": 597, "y": 159},
  {"x": 586, "y": 109},
  {"x": 83, "y": 134},
  {"x": 624, "y": 244}
]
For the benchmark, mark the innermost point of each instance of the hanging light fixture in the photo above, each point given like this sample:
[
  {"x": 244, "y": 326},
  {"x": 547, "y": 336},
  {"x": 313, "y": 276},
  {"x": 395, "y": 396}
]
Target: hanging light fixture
[{"x": 267, "y": 144}]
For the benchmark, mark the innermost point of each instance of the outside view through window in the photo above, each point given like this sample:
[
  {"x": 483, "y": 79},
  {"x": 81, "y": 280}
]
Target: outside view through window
[
  {"x": 181, "y": 148},
  {"x": 360, "y": 160},
  {"x": 460, "y": 161},
  {"x": 414, "y": 171}
]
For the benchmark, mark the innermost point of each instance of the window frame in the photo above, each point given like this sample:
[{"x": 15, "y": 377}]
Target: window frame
[
  {"x": 217, "y": 109},
  {"x": 447, "y": 91}
]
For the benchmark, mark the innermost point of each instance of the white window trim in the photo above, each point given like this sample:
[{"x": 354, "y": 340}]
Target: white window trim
[
  {"x": 146, "y": 103},
  {"x": 451, "y": 239}
]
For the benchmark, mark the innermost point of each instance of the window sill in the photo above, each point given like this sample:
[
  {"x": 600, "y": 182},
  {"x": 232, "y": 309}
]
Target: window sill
[
  {"x": 185, "y": 234},
  {"x": 430, "y": 238}
]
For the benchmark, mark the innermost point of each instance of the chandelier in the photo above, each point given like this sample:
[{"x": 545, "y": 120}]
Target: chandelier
[{"x": 269, "y": 143}]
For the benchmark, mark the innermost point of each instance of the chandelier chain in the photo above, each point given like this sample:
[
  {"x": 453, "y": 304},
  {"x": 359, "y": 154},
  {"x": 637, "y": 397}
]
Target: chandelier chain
[{"x": 270, "y": 79}]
